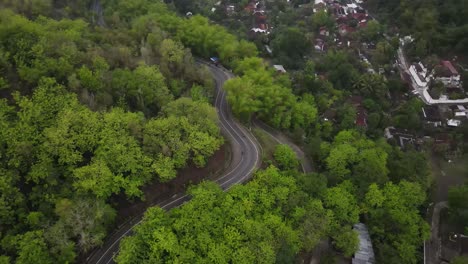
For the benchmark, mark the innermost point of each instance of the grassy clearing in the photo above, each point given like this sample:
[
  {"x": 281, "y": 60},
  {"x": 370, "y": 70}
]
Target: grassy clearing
[
  {"x": 448, "y": 174},
  {"x": 268, "y": 144},
  {"x": 458, "y": 167}
]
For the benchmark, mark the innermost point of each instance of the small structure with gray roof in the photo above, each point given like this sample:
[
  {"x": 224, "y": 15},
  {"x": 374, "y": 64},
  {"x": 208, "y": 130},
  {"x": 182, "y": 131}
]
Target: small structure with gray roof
[{"x": 365, "y": 253}]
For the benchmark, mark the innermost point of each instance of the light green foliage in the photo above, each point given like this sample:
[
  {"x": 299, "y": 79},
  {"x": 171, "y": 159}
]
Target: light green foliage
[
  {"x": 304, "y": 112},
  {"x": 149, "y": 88},
  {"x": 244, "y": 225},
  {"x": 145, "y": 85},
  {"x": 316, "y": 223},
  {"x": 41, "y": 49},
  {"x": 346, "y": 240},
  {"x": 258, "y": 92},
  {"x": 354, "y": 157},
  {"x": 394, "y": 220},
  {"x": 65, "y": 149},
  {"x": 32, "y": 248},
  {"x": 75, "y": 133},
  {"x": 188, "y": 131},
  {"x": 342, "y": 202},
  {"x": 242, "y": 97},
  {"x": 286, "y": 158},
  {"x": 85, "y": 220},
  {"x": 181, "y": 140},
  {"x": 55, "y": 152},
  {"x": 206, "y": 39},
  {"x": 98, "y": 179},
  {"x": 198, "y": 93}
]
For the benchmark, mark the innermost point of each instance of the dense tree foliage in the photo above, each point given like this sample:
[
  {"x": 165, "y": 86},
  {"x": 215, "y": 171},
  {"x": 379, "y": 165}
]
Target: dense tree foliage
[
  {"x": 439, "y": 26},
  {"x": 285, "y": 157},
  {"x": 458, "y": 207},
  {"x": 63, "y": 152},
  {"x": 90, "y": 114},
  {"x": 259, "y": 92},
  {"x": 352, "y": 156},
  {"x": 396, "y": 225},
  {"x": 95, "y": 112},
  {"x": 260, "y": 222}
]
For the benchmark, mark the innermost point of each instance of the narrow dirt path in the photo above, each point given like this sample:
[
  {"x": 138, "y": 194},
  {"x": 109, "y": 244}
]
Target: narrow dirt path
[
  {"x": 282, "y": 139},
  {"x": 433, "y": 246}
]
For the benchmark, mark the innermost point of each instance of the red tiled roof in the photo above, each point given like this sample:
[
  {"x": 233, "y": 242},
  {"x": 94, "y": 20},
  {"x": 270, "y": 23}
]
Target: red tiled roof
[
  {"x": 346, "y": 29},
  {"x": 450, "y": 67},
  {"x": 356, "y": 100},
  {"x": 358, "y": 16}
]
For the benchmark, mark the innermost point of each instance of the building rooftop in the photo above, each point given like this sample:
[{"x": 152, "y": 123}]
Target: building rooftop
[
  {"x": 279, "y": 68},
  {"x": 401, "y": 136},
  {"x": 365, "y": 253},
  {"x": 449, "y": 66}
]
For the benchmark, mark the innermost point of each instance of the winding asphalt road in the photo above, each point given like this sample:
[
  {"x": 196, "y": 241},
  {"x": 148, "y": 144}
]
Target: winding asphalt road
[{"x": 245, "y": 160}]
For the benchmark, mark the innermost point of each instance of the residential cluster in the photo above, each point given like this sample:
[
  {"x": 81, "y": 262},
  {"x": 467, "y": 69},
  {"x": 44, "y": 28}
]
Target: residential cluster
[{"x": 349, "y": 17}]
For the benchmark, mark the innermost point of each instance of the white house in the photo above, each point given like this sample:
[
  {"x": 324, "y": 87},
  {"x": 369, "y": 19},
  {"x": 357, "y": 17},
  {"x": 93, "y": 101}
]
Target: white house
[{"x": 419, "y": 74}]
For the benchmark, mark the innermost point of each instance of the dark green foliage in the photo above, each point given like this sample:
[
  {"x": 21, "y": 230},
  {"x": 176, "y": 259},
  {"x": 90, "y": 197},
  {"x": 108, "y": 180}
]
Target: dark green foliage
[
  {"x": 439, "y": 26},
  {"x": 458, "y": 206}
]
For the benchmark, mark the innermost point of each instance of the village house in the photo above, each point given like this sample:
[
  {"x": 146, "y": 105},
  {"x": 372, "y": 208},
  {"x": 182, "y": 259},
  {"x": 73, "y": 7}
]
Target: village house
[
  {"x": 279, "y": 68},
  {"x": 329, "y": 115},
  {"x": 251, "y": 6},
  {"x": 319, "y": 44},
  {"x": 344, "y": 29},
  {"x": 319, "y": 6},
  {"x": 453, "y": 122},
  {"x": 230, "y": 10},
  {"x": 323, "y": 31},
  {"x": 458, "y": 115},
  {"x": 447, "y": 74},
  {"x": 402, "y": 137},
  {"x": 459, "y": 111},
  {"x": 419, "y": 74}
]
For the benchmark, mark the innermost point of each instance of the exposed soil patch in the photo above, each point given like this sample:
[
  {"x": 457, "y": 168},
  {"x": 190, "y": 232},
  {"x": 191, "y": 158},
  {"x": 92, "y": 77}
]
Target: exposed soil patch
[{"x": 157, "y": 192}]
